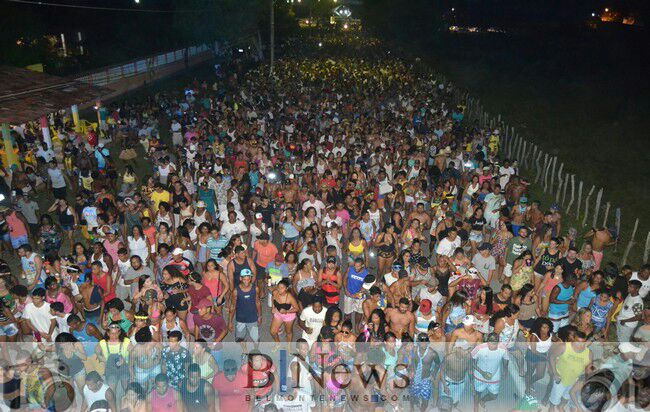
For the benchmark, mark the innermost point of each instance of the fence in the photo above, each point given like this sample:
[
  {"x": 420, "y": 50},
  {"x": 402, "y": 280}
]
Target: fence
[
  {"x": 574, "y": 195},
  {"x": 144, "y": 65}
]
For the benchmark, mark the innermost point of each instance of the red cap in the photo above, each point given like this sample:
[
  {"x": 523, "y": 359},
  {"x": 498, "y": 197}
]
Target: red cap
[{"x": 425, "y": 305}]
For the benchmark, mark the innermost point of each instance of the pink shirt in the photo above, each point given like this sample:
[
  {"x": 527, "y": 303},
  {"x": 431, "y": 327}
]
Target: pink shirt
[
  {"x": 63, "y": 298},
  {"x": 16, "y": 225}
]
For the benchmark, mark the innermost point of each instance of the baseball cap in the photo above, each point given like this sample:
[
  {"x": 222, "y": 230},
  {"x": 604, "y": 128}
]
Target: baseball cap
[
  {"x": 201, "y": 204},
  {"x": 485, "y": 246},
  {"x": 368, "y": 282},
  {"x": 245, "y": 272},
  {"x": 424, "y": 262},
  {"x": 177, "y": 251},
  {"x": 469, "y": 320},
  {"x": 425, "y": 305},
  {"x": 331, "y": 259},
  {"x": 523, "y": 199},
  {"x": 279, "y": 257},
  {"x": 473, "y": 272},
  {"x": 397, "y": 268},
  {"x": 258, "y": 216}
]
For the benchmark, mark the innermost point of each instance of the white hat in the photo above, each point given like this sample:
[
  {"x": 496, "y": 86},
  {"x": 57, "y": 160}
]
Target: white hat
[
  {"x": 469, "y": 320},
  {"x": 258, "y": 216},
  {"x": 192, "y": 148},
  {"x": 178, "y": 251},
  {"x": 627, "y": 347},
  {"x": 473, "y": 272},
  {"x": 496, "y": 131},
  {"x": 201, "y": 204}
]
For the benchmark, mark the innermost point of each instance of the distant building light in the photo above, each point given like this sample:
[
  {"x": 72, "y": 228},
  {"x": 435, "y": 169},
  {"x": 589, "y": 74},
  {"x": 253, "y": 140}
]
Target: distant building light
[
  {"x": 593, "y": 14},
  {"x": 453, "y": 9},
  {"x": 606, "y": 10},
  {"x": 320, "y": 44}
]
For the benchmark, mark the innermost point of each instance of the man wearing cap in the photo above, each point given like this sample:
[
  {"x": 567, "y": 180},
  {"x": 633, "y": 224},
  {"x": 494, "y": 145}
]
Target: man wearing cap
[
  {"x": 518, "y": 213},
  {"x": 466, "y": 336},
  {"x": 487, "y": 359},
  {"x": 208, "y": 325},
  {"x": 102, "y": 155},
  {"x": 485, "y": 262},
  {"x": 419, "y": 276},
  {"x": 245, "y": 308},
  {"x": 181, "y": 263},
  {"x": 392, "y": 276}
]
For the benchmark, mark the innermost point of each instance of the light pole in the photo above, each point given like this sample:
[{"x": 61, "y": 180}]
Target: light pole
[{"x": 272, "y": 35}]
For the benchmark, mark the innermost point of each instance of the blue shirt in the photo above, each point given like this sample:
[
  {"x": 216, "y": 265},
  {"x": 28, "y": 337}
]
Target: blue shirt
[{"x": 355, "y": 279}]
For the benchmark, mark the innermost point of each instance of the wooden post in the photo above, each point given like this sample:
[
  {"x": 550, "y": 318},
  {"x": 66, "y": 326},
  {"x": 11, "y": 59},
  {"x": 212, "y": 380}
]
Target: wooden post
[
  {"x": 524, "y": 163},
  {"x": 538, "y": 166},
  {"x": 630, "y": 243},
  {"x": 579, "y": 201},
  {"x": 618, "y": 226},
  {"x": 559, "y": 183},
  {"x": 550, "y": 183},
  {"x": 547, "y": 163},
  {"x": 646, "y": 251},
  {"x": 606, "y": 215},
  {"x": 566, "y": 184},
  {"x": 584, "y": 220},
  {"x": 599, "y": 197},
  {"x": 573, "y": 193},
  {"x": 499, "y": 118}
]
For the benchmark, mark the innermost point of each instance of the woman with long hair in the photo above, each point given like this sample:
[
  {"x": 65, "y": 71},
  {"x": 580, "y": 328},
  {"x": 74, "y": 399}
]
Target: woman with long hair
[
  {"x": 526, "y": 299},
  {"x": 387, "y": 245},
  {"x": 505, "y": 323},
  {"x": 499, "y": 243},
  {"x": 455, "y": 311},
  {"x": 540, "y": 341},
  {"x": 215, "y": 279},
  {"x": 483, "y": 308},
  {"x": 357, "y": 247},
  {"x": 330, "y": 281},
  {"x": 522, "y": 271},
  {"x": 284, "y": 310},
  {"x": 552, "y": 278},
  {"x": 304, "y": 283},
  {"x": 587, "y": 290},
  {"x": 174, "y": 286}
]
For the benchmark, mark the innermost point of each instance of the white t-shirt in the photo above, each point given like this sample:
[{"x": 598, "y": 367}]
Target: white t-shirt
[
  {"x": 489, "y": 361},
  {"x": 632, "y": 306},
  {"x": 40, "y": 318},
  {"x": 56, "y": 177},
  {"x": 446, "y": 247},
  {"x": 314, "y": 321},
  {"x": 229, "y": 230},
  {"x": 318, "y": 205},
  {"x": 505, "y": 173},
  {"x": 436, "y": 298},
  {"x": 645, "y": 284}
]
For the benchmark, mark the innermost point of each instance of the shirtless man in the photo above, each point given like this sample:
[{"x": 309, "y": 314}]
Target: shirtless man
[
  {"x": 400, "y": 289},
  {"x": 401, "y": 320},
  {"x": 420, "y": 214},
  {"x": 453, "y": 375},
  {"x": 518, "y": 214},
  {"x": 375, "y": 301},
  {"x": 534, "y": 216},
  {"x": 601, "y": 238},
  {"x": 466, "y": 336}
]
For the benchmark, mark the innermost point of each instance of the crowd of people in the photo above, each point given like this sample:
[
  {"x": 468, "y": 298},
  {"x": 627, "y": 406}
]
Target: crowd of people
[{"x": 343, "y": 205}]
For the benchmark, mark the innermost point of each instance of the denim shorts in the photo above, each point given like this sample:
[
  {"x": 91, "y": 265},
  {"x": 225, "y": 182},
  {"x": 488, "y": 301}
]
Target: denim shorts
[{"x": 8, "y": 330}]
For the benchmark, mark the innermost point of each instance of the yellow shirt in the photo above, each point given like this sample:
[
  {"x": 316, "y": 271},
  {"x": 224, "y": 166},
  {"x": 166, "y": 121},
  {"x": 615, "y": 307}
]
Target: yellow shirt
[
  {"x": 157, "y": 197},
  {"x": 571, "y": 365}
]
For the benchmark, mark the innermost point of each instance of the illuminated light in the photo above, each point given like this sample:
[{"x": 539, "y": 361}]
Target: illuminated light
[
  {"x": 320, "y": 44},
  {"x": 240, "y": 50},
  {"x": 593, "y": 14},
  {"x": 606, "y": 10},
  {"x": 2, "y": 197},
  {"x": 345, "y": 26},
  {"x": 453, "y": 9},
  {"x": 137, "y": 1}
]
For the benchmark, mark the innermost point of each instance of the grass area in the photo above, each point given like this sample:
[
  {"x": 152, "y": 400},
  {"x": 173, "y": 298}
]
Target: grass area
[{"x": 581, "y": 96}]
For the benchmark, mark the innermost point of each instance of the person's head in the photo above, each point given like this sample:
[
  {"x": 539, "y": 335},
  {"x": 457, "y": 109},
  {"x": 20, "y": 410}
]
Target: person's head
[
  {"x": 38, "y": 296},
  {"x": 230, "y": 369},
  {"x": 358, "y": 264},
  {"x": 404, "y": 305},
  {"x": 572, "y": 254},
  {"x": 492, "y": 340},
  {"x": 633, "y": 287},
  {"x": 246, "y": 277},
  {"x": 193, "y": 374},
  {"x": 174, "y": 338},
  {"x": 523, "y": 232},
  {"x": 134, "y": 392},
  {"x": 94, "y": 381},
  {"x": 57, "y": 309},
  {"x": 25, "y": 250},
  {"x": 161, "y": 383},
  {"x": 115, "y": 306},
  {"x": 506, "y": 292},
  {"x": 333, "y": 316}
]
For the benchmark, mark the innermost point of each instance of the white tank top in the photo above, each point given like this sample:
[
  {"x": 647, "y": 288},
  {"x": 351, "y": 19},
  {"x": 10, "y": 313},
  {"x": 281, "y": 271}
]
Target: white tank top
[
  {"x": 544, "y": 346},
  {"x": 92, "y": 397}
]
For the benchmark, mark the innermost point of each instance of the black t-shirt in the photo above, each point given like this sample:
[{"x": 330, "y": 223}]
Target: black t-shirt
[
  {"x": 569, "y": 267},
  {"x": 477, "y": 223}
]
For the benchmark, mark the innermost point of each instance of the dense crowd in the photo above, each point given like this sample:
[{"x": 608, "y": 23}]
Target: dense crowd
[{"x": 342, "y": 204}]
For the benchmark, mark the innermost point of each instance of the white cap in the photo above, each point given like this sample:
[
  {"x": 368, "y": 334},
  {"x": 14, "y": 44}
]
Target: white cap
[
  {"x": 192, "y": 148},
  {"x": 473, "y": 272},
  {"x": 178, "y": 251},
  {"x": 258, "y": 216},
  {"x": 469, "y": 320},
  {"x": 201, "y": 204},
  {"x": 627, "y": 347}
]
